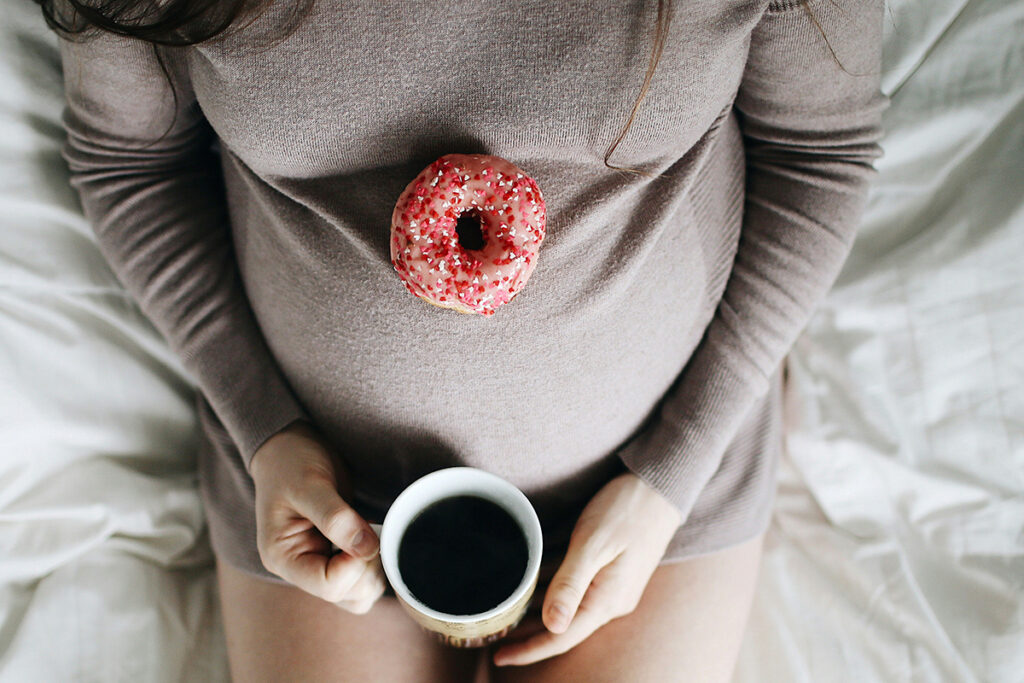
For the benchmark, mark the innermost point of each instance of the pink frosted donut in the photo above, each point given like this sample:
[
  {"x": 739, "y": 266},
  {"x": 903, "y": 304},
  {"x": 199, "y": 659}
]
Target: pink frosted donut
[{"x": 478, "y": 263}]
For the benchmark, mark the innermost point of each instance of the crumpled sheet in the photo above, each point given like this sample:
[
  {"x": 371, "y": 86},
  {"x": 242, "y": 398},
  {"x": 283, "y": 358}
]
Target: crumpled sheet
[
  {"x": 105, "y": 565},
  {"x": 895, "y": 551}
]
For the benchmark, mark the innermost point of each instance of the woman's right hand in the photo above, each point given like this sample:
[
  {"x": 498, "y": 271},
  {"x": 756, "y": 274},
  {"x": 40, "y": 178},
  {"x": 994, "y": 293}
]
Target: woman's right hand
[{"x": 300, "y": 512}]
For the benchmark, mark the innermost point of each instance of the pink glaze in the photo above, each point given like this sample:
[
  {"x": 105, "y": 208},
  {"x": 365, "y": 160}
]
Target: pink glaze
[{"x": 425, "y": 248}]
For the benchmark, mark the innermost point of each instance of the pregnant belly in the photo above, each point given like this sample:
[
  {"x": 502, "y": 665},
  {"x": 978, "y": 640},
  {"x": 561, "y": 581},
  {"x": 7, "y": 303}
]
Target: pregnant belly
[{"x": 542, "y": 393}]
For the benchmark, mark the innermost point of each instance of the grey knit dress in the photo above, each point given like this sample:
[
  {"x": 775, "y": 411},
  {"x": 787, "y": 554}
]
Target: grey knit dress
[{"x": 248, "y": 214}]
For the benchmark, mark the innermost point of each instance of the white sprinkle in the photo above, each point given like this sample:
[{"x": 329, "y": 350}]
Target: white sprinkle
[{"x": 412, "y": 224}]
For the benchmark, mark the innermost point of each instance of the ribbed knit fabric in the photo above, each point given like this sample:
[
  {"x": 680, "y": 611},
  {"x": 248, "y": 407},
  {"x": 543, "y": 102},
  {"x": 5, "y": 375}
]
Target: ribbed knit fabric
[{"x": 255, "y": 234}]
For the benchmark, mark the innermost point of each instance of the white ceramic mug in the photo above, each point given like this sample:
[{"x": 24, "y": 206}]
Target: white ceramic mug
[{"x": 472, "y": 630}]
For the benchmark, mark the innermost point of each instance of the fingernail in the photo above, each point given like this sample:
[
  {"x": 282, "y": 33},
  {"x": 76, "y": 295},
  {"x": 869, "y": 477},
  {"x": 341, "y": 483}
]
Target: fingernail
[
  {"x": 560, "y": 615},
  {"x": 363, "y": 544}
]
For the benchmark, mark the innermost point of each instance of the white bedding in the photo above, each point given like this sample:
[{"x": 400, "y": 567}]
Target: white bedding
[
  {"x": 896, "y": 552},
  {"x": 105, "y": 566}
]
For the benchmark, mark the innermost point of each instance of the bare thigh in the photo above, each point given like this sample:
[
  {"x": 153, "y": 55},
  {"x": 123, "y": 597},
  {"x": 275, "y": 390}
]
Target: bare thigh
[
  {"x": 688, "y": 627},
  {"x": 281, "y": 633}
]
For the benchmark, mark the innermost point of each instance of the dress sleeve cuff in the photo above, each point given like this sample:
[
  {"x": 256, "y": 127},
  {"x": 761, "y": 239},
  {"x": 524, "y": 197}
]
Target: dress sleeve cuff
[{"x": 679, "y": 453}]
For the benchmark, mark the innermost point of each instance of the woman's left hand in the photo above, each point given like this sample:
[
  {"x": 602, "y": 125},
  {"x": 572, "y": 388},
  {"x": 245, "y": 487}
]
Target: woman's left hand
[{"x": 615, "y": 547}]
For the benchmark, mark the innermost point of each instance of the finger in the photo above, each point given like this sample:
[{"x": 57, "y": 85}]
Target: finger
[
  {"x": 547, "y": 644},
  {"x": 328, "y": 577},
  {"x": 569, "y": 585},
  {"x": 367, "y": 590},
  {"x": 357, "y": 606},
  {"x": 321, "y": 504},
  {"x": 528, "y": 627},
  {"x": 360, "y": 606},
  {"x": 369, "y": 586}
]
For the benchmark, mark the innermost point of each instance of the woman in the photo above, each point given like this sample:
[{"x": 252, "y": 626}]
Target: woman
[{"x": 241, "y": 182}]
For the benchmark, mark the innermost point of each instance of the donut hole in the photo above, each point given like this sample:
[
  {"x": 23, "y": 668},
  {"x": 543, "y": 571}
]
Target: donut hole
[{"x": 471, "y": 235}]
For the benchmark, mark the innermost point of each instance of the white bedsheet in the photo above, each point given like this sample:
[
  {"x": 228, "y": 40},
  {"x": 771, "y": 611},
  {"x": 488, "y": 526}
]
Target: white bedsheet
[
  {"x": 105, "y": 566},
  {"x": 896, "y": 552}
]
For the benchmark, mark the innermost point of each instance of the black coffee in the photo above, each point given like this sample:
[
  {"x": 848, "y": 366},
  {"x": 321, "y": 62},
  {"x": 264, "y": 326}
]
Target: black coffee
[{"x": 462, "y": 555}]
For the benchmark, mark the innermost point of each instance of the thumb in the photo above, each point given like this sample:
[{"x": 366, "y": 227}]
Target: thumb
[
  {"x": 568, "y": 586},
  {"x": 342, "y": 525}
]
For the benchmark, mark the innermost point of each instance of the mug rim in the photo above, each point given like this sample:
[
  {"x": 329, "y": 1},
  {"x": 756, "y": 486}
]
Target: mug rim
[{"x": 532, "y": 532}]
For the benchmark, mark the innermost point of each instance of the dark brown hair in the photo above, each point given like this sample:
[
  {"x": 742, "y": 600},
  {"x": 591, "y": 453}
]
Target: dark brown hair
[
  {"x": 175, "y": 23},
  {"x": 178, "y": 22},
  {"x": 189, "y": 22},
  {"x": 661, "y": 32}
]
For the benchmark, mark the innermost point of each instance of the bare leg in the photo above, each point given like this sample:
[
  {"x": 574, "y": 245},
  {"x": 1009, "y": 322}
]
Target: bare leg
[
  {"x": 688, "y": 627},
  {"x": 281, "y": 633}
]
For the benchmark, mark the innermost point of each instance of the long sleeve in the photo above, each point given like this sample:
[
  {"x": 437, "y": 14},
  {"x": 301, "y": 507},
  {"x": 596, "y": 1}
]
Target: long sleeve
[
  {"x": 811, "y": 129},
  {"x": 158, "y": 210}
]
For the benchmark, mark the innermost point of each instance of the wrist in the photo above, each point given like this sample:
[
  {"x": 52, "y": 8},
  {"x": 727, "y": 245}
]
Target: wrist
[
  {"x": 663, "y": 508},
  {"x": 299, "y": 426}
]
